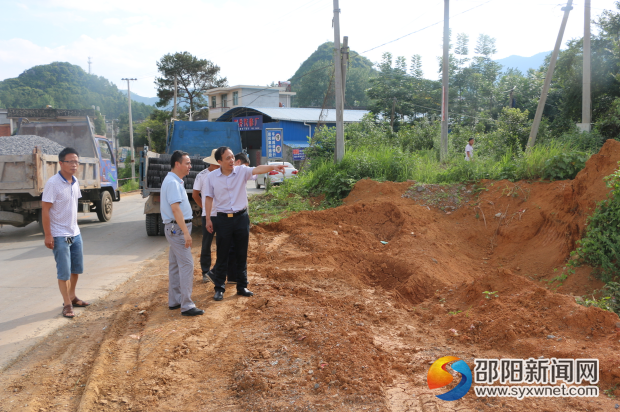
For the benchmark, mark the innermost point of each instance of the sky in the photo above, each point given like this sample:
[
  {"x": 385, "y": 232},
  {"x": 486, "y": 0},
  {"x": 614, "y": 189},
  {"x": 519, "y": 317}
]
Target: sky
[{"x": 257, "y": 42}]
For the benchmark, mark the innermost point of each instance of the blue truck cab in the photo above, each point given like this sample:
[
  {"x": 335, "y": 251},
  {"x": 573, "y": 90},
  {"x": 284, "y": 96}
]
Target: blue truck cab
[
  {"x": 198, "y": 139},
  {"x": 107, "y": 163}
]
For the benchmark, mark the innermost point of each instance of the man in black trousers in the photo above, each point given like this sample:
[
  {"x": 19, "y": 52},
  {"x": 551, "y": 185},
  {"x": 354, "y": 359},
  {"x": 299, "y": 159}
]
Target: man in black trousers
[{"x": 226, "y": 193}]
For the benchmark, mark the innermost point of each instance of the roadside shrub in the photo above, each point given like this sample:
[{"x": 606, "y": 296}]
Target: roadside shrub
[
  {"x": 564, "y": 165},
  {"x": 600, "y": 247}
]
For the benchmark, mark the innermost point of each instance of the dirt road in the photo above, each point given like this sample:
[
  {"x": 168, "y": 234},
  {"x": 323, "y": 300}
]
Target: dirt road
[
  {"x": 352, "y": 306},
  {"x": 29, "y": 297}
]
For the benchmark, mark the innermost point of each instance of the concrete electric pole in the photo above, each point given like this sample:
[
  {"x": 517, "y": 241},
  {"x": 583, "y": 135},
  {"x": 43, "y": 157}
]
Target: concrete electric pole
[
  {"x": 339, "y": 149},
  {"x": 133, "y": 160},
  {"x": 545, "y": 91},
  {"x": 586, "y": 102},
  {"x": 443, "y": 152}
]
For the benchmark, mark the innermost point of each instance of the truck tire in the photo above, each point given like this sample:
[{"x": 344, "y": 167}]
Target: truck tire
[
  {"x": 161, "y": 226},
  {"x": 104, "y": 206},
  {"x": 152, "y": 225},
  {"x": 257, "y": 184}
]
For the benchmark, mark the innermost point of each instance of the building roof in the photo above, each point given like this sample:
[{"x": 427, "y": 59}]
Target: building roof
[
  {"x": 241, "y": 86},
  {"x": 294, "y": 114}
]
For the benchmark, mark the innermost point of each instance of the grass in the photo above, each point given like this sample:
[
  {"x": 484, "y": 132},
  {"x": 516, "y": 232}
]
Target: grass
[
  {"x": 333, "y": 182},
  {"x": 129, "y": 185}
]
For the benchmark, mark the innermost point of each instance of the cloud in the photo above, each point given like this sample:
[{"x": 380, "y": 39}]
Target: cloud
[{"x": 112, "y": 21}]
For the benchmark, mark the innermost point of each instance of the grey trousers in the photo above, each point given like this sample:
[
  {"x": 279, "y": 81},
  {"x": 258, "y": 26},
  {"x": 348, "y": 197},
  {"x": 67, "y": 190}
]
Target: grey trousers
[{"x": 180, "y": 268}]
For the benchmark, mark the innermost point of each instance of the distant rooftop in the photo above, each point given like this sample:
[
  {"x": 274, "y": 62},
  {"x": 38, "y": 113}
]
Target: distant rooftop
[{"x": 294, "y": 114}]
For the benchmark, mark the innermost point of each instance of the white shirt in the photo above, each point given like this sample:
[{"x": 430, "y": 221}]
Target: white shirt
[
  {"x": 173, "y": 191},
  {"x": 228, "y": 192},
  {"x": 63, "y": 195},
  {"x": 200, "y": 184},
  {"x": 469, "y": 148}
]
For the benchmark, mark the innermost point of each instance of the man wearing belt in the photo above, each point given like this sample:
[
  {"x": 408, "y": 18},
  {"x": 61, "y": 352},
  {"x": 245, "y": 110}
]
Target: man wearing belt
[
  {"x": 176, "y": 212},
  {"x": 198, "y": 196},
  {"x": 226, "y": 193}
]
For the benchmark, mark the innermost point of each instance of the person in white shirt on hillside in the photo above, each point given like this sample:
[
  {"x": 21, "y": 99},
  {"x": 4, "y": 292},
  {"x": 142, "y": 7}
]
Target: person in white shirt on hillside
[{"x": 469, "y": 150}]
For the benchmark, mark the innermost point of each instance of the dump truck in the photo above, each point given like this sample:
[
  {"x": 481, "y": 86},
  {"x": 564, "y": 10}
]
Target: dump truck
[
  {"x": 198, "y": 139},
  {"x": 23, "y": 176}
]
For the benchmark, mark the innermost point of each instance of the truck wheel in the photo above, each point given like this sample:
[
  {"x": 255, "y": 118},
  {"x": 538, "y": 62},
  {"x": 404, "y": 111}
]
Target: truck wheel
[
  {"x": 257, "y": 184},
  {"x": 160, "y": 225},
  {"x": 151, "y": 224},
  {"x": 40, "y": 221},
  {"x": 104, "y": 207}
]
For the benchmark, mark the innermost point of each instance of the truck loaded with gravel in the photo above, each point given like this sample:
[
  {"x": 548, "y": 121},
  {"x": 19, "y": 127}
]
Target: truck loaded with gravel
[
  {"x": 29, "y": 158},
  {"x": 196, "y": 138}
]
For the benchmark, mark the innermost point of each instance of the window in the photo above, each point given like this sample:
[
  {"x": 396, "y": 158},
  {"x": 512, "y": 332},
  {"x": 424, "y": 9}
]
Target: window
[
  {"x": 213, "y": 102},
  {"x": 105, "y": 150},
  {"x": 235, "y": 98},
  {"x": 224, "y": 100}
]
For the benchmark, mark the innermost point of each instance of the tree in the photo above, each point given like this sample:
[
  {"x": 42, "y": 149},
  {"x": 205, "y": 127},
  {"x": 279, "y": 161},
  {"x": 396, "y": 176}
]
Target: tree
[
  {"x": 67, "y": 86},
  {"x": 312, "y": 80},
  {"x": 155, "y": 124},
  {"x": 194, "y": 77}
]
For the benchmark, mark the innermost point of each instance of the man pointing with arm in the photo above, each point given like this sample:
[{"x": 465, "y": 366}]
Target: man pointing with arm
[{"x": 232, "y": 224}]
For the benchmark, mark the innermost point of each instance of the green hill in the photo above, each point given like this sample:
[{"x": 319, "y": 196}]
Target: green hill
[
  {"x": 67, "y": 86},
  {"x": 312, "y": 79}
]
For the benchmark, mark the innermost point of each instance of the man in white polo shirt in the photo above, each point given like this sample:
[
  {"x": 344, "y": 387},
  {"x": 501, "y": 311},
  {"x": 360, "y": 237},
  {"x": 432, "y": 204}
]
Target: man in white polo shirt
[
  {"x": 176, "y": 213},
  {"x": 62, "y": 234},
  {"x": 207, "y": 237},
  {"x": 226, "y": 193}
]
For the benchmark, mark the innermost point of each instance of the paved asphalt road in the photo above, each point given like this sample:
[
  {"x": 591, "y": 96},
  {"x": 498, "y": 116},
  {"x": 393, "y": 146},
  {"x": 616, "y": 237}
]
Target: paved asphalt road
[{"x": 30, "y": 302}]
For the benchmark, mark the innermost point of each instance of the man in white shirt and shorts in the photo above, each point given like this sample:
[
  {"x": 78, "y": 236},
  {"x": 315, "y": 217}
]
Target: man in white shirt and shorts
[{"x": 62, "y": 234}]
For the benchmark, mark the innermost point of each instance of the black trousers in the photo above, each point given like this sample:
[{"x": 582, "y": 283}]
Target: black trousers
[
  {"x": 205, "y": 252},
  {"x": 231, "y": 231}
]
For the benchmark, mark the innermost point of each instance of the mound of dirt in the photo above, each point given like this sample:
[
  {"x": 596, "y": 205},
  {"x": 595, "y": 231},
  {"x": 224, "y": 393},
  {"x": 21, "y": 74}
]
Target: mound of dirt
[
  {"x": 512, "y": 239},
  {"x": 352, "y": 306}
]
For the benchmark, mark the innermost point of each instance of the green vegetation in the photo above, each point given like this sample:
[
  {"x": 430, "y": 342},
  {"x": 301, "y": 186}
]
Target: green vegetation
[
  {"x": 129, "y": 185},
  {"x": 194, "y": 77},
  {"x": 600, "y": 247},
  {"x": 609, "y": 298},
  {"x": 490, "y": 295},
  {"x": 311, "y": 81},
  {"x": 67, "y": 86}
]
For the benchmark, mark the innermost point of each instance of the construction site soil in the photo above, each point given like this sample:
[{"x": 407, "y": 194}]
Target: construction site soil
[{"x": 352, "y": 306}]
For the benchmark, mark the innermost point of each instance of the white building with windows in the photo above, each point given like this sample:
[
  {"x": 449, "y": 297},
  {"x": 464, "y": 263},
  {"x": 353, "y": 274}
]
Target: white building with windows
[{"x": 222, "y": 99}]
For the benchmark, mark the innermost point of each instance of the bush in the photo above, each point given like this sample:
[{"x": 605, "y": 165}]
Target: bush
[
  {"x": 600, "y": 247},
  {"x": 564, "y": 165}
]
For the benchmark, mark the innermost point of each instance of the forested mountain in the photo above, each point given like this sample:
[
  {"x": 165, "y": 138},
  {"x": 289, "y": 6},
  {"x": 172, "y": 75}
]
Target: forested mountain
[
  {"x": 312, "y": 79},
  {"x": 66, "y": 86}
]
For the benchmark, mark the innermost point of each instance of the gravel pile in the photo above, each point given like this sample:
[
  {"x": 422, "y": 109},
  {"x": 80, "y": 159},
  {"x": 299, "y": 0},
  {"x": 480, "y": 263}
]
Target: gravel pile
[{"x": 25, "y": 144}]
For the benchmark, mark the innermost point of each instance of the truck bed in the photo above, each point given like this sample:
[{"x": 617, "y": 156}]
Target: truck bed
[{"x": 27, "y": 174}]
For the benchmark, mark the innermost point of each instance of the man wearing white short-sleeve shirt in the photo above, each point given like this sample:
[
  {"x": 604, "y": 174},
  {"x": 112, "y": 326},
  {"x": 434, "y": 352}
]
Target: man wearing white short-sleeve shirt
[
  {"x": 226, "y": 193},
  {"x": 198, "y": 194},
  {"x": 469, "y": 150},
  {"x": 62, "y": 234}
]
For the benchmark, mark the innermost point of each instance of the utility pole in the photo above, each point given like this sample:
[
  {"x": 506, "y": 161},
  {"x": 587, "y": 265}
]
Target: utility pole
[
  {"x": 545, "y": 91},
  {"x": 586, "y": 103},
  {"x": 443, "y": 153},
  {"x": 339, "y": 149},
  {"x": 89, "y": 63},
  {"x": 345, "y": 63},
  {"x": 133, "y": 160},
  {"x": 174, "y": 110}
]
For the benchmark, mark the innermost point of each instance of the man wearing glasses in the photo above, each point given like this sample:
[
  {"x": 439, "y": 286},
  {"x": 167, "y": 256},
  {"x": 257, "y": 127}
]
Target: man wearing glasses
[{"x": 62, "y": 234}]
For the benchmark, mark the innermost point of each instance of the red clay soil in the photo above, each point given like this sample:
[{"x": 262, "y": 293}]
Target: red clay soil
[{"x": 352, "y": 306}]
